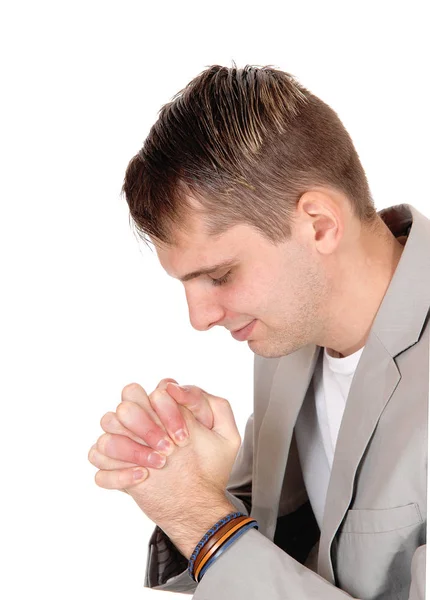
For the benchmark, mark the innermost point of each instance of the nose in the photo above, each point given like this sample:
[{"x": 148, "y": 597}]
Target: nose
[{"x": 204, "y": 310}]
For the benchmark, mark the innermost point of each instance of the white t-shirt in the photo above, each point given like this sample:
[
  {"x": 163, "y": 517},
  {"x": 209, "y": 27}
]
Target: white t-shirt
[{"x": 318, "y": 424}]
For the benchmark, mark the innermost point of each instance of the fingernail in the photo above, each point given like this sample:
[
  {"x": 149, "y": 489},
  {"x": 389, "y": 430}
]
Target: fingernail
[
  {"x": 184, "y": 388},
  {"x": 180, "y": 435},
  {"x": 156, "y": 460},
  {"x": 164, "y": 446},
  {"x": 139, "y": 474}
]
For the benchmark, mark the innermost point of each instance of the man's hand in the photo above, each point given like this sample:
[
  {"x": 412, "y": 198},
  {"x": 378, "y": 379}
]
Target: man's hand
[
  {"x": 142, "y": 430},
  {"x": 187, "y": 496}
]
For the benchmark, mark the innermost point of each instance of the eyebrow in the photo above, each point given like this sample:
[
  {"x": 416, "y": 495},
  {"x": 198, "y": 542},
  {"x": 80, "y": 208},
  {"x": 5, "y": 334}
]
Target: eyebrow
[{"x": 207, "y": 270}]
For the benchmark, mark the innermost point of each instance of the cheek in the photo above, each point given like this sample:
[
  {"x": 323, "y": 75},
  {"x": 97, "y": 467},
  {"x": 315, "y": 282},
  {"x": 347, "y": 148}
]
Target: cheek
[
  {"x": 240, "y": 298},
  {"x": 255, "y": 298}
]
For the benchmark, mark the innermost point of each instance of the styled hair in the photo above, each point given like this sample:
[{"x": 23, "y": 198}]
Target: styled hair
[{"x": 240, "y": 146}]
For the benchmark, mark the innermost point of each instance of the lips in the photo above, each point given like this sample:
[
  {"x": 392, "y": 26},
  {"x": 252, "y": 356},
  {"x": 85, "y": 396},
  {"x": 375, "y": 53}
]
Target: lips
[
  {"x": 240, "y": 328},
  {"x": 245, "y": 332}
]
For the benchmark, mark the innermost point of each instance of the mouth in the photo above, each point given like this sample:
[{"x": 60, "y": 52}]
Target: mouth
[{"x": 243, "y": 333}]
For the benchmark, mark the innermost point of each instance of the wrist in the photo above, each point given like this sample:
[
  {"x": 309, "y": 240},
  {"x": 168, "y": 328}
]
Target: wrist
[{"x": 187, "y": 533}]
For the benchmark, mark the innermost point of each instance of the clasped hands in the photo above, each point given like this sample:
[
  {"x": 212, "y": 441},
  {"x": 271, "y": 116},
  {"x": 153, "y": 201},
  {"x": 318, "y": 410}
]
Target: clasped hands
[{"x": 172, "y": 452}]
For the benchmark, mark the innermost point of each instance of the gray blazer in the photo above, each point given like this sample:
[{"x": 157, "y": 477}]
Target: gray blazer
[{"x": 373, "y": 535}]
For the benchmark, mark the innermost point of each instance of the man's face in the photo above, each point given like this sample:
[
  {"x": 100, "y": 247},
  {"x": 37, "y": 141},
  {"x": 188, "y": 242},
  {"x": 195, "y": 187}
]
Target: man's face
[{"x": 283, "y": 287}]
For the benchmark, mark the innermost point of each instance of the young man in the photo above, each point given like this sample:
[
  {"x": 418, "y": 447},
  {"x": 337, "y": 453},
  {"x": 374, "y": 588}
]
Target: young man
[{"x": 253, "y": 195}]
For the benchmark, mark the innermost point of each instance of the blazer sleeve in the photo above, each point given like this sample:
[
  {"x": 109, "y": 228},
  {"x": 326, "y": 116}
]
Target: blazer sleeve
[
  {"x": 166, "y": 567},
  {"x": 253, "y": 568}
]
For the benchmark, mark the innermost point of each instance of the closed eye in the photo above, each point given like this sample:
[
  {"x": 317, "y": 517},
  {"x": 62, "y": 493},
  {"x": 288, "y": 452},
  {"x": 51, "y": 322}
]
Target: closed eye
[{"x": 221, "y": 280}]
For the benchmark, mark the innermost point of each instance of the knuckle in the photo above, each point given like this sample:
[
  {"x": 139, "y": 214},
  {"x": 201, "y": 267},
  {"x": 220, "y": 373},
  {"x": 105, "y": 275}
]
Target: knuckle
[
  {"x": 129, "y": 414},
  {"x": 123, "y": 409},
  {"x": 136, "y": 455},
  {"x": 131, "y": 390},
  {"x": 91, "y": 454},
  {"x": 106, "y": 420},
  {"x": 223, "y": 403},
  {"x": 103, "y": 442},
  {"x": 123, "y": 479},
  {"x": 157, "y": 394},
  {"x": 99, "y": 479},
  {"x": 152, "y": 432}
]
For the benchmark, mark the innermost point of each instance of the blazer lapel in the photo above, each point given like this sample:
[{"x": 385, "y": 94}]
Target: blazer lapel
[
  {"x": 289, "y": 386},
  {"x": 374, "y": 382}
]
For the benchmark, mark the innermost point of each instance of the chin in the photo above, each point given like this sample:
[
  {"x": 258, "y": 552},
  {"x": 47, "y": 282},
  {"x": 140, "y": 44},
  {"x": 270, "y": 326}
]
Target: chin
[{"x": 268, "y": 349}]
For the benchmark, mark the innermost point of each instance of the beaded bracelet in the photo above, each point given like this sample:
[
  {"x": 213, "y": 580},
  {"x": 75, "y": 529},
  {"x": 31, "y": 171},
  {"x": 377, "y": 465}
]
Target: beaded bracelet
[{"x": 207, "y": 536}]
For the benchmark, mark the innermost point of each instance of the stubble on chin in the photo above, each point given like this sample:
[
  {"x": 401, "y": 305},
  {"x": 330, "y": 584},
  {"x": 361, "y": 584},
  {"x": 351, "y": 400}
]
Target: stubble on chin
[{"x": 272, "y": 349}]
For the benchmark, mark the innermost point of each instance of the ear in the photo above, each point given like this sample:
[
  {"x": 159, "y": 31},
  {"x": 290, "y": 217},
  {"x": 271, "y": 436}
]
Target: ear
[{"x": 321, "y": 220}]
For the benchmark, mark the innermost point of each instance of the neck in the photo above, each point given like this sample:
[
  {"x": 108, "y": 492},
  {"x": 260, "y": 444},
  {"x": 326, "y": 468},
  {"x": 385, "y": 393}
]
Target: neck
[{"x": 362, "y": 276}]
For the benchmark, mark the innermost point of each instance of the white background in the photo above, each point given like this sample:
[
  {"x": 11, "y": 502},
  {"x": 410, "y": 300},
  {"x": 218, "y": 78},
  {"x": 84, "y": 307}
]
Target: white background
[{"x": 86, "y": 309}]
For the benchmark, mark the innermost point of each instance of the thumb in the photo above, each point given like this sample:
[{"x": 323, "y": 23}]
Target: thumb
[
  {"x": 224, "y": 421},
  {"x": 192, "y": 398},
  {"x": 207, "y": 408}
]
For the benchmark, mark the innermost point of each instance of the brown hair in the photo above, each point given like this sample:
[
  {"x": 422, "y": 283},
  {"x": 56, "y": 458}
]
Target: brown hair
[{"x": 246, "y": 144}]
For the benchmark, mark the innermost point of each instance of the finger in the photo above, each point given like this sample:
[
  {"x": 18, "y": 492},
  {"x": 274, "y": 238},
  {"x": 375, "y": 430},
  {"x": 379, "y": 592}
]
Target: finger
[
  {"x": 196, "y": 400},
  {"x": 121, "y": 478},
  {"x": 224, "y": 421},
  {"x": 125, "y": 449},
  {"x": 134, "y": 392},
  {"x": 110, "y": 424},
  {"x": 170, "y": 416},
  {"x": 101, "y": 461},
  {"x": 163, "y": 383},
  {"x": 137, "y": 420}
]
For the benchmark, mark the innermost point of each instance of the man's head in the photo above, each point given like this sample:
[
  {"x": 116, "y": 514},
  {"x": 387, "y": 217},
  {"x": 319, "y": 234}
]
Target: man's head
[{"x": 249, "y": 165}]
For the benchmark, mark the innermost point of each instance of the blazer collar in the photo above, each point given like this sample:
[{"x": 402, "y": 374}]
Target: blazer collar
[{"x": 403, "y": 311}]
